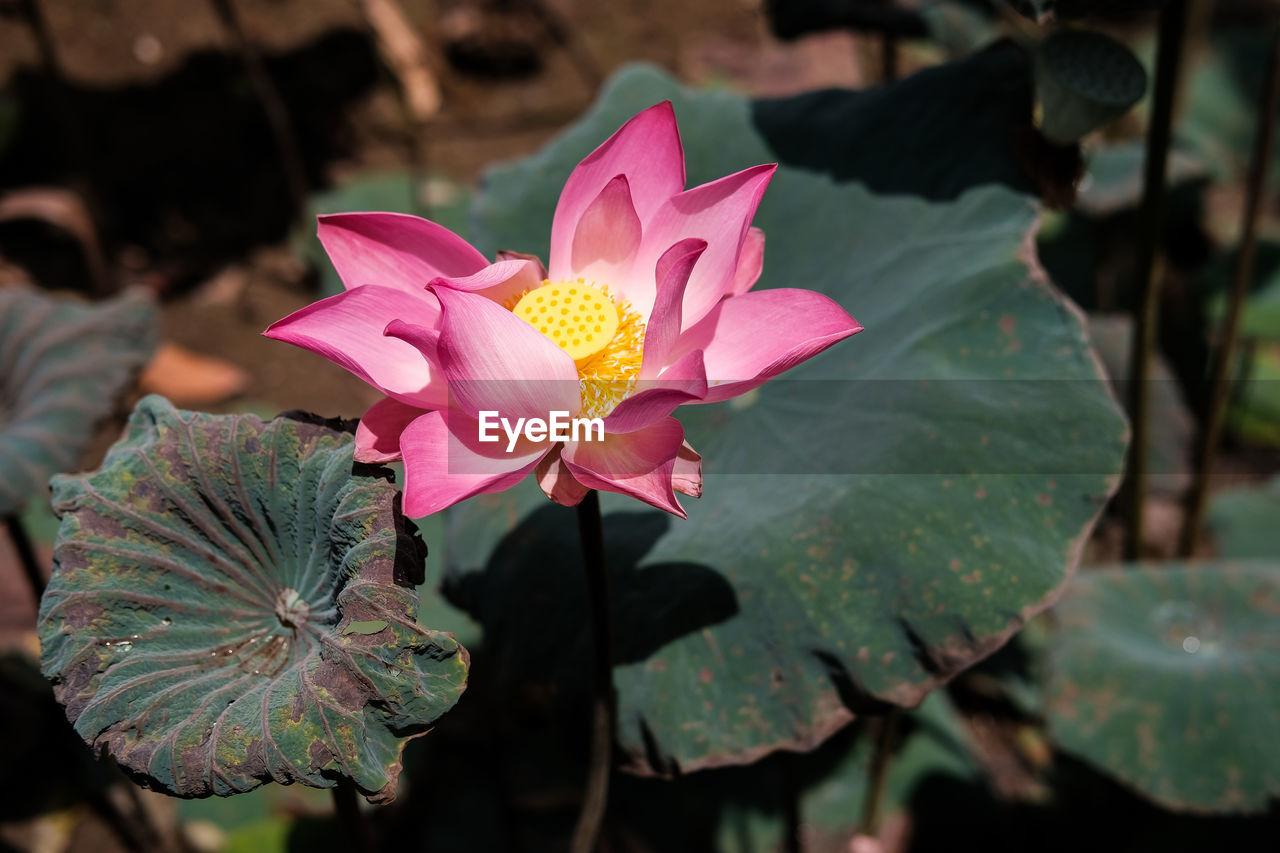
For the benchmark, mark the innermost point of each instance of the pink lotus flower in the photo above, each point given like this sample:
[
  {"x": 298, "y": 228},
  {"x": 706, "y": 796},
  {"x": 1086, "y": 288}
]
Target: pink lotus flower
[{"x": 646, "y": 304}]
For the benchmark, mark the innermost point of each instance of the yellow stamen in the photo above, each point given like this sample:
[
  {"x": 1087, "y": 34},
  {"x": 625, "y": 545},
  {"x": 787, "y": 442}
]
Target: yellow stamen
[
  {"x": 605, "y": 338},
  {"x": 577, "y": 317}
]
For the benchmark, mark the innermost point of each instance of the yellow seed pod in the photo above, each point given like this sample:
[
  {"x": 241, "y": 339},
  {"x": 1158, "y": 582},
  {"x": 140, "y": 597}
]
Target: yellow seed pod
[{"x": 578, "y": 318}]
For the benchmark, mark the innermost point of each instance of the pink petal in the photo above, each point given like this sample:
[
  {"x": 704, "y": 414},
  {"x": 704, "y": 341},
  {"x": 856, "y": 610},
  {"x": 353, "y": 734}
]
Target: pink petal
[
  {"x": 747, "y": 340},
  {"x": 607, "y": 235},
  {"x": 508, "y": 255},
  {"x": 647, "y": 150},
  {"x": 443, "y": 466},
  {"x": 687, "y": 476},
  {"x": 347, "y": 330},
  {"x": 498, "y": 281},
  {"x": 663, "y": 327},
  {"x": 378, "y": 434},
  {"x": 394, "y": 250},
  {"x": 496, "y": 361},
  {"x": 557, "y": 482},
  {"x": 655, "y": 399},
  {"x": 424, "y": 339},
  {"x": 720, "y": 213},
  {"x": 750, "y": 262},
  {"x": 639, "y": 464}
]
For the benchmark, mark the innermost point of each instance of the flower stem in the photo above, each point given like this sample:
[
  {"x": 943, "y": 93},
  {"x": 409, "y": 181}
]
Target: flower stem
[
  {"x": 603, "y": 704},
  {"x": 1172, "y": 35},
  {"x": 888, "y": 57},
  {"x": 1224, "y": 350},
  {"x": 885, "y": 732},
  {"x": 346, "y": 804},
  {"x": 272, "y": 102},
  {"x": 26, "y": 555}
]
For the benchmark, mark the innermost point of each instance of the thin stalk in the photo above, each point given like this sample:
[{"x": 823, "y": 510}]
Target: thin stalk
[
  {"x": 273, "y": 105},
  {"x": 127, "y": 831},
  {"x": 571, "y": 41},
  {"x": 603, "y": 704},
  {"x": 1172, "y": 35},
  {"x": 70, "y": 133},
  {"x": 1225, "y": 343},
  {"x": 793, "y": 838},
  {"x": 404, "y": 65},
  {"x": 885, "y": 733},
  {"x": 26, "y": 555},
  {"x": 888, "y": 57},
  {"x": 347, "y": 806}
]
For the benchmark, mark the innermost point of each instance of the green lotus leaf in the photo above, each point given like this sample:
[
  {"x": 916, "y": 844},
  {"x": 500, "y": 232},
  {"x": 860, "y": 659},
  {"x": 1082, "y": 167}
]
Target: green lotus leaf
[
  {"x": 935, "y": 134},
  {"x": 740, "y": 806},
  {"x": 1222, "y": 92},
  {"x": 1260, "y": 314},
  {"x": 63, "y": 365},
  {"x": 196, "y": 624},
  {"x": 1114, "y": 173},
  {"x": 1172, "y": 426},
  {"x": 1167, "y": 677},
  {"x": 1254, "y": 412},
  {"x": 871, "y": 524},
  {"x": 1243, "y": 522}
]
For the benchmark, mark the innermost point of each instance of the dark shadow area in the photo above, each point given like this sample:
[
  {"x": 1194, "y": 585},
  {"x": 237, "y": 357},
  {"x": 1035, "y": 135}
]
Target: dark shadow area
[
  {"x": 52, "y": 256},
  {"x": 530, "y": 599},
  {"x": 789, "y": 19},
  {"x": 1093, "y": 260},
  {"x": 855, "y": 698},
  {"x": 1118, "y": 820},
  {"x": 530, "y": 680},
  {"x": 49, "y": 766},
  {"x": 934, "y": 134},
  {"x": 185, "y": 168},
  {"x": 699, "y": 812},
  {"x": 1115, "y": 11}
]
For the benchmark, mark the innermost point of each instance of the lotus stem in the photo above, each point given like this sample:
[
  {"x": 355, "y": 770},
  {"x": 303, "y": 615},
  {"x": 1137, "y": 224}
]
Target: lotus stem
[
  {"x": 1172, "y": 35},
  {"x": 273, "y": 105},
  {"x": 888, "y": 57},
  {"x": 603, "y": 703},
  {"x": 792, "y": 818},
  {"x": 26, "y": 555},
  {"x": 1224, "y": 345},
  {"x": 885, "y": 732},
  {"x": 346, "y": 804}
]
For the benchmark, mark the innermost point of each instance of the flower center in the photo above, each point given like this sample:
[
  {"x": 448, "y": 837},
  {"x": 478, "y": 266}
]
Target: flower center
[
  {"x": 579, "y": 318},
  {"x": 290, "y": 609},
  {"x": 604, "y": 338}
]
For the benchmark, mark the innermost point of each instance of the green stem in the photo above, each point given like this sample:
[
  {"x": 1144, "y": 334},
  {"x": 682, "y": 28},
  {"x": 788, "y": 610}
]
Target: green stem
[
  {"x": 603, "y": 704},
  {"x": 793, "y": 838},
  {"x": 888, "y": 57},
  {"x": 26, "y": 555},
  {"x": 1172, "y": 35},
  {"x": 885, "y": 732},
  {"x": 346, "y": 804},
  {"x": 273, "y": 105},
  {"x": 1225, "y": 346}
]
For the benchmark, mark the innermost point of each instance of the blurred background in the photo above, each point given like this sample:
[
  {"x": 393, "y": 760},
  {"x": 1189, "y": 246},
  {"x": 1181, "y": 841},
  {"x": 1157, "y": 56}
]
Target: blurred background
[{"x": 185, "y": 148}]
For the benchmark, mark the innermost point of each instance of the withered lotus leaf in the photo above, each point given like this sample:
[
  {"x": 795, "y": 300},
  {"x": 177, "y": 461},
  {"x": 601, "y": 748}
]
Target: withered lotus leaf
[
  {"x": 206, "y": 579},
  {"x": 62, "y": 366}
]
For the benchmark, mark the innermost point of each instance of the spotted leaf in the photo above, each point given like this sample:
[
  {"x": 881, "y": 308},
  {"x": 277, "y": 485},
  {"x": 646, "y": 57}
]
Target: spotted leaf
[{"x": 207, "y": 620}]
